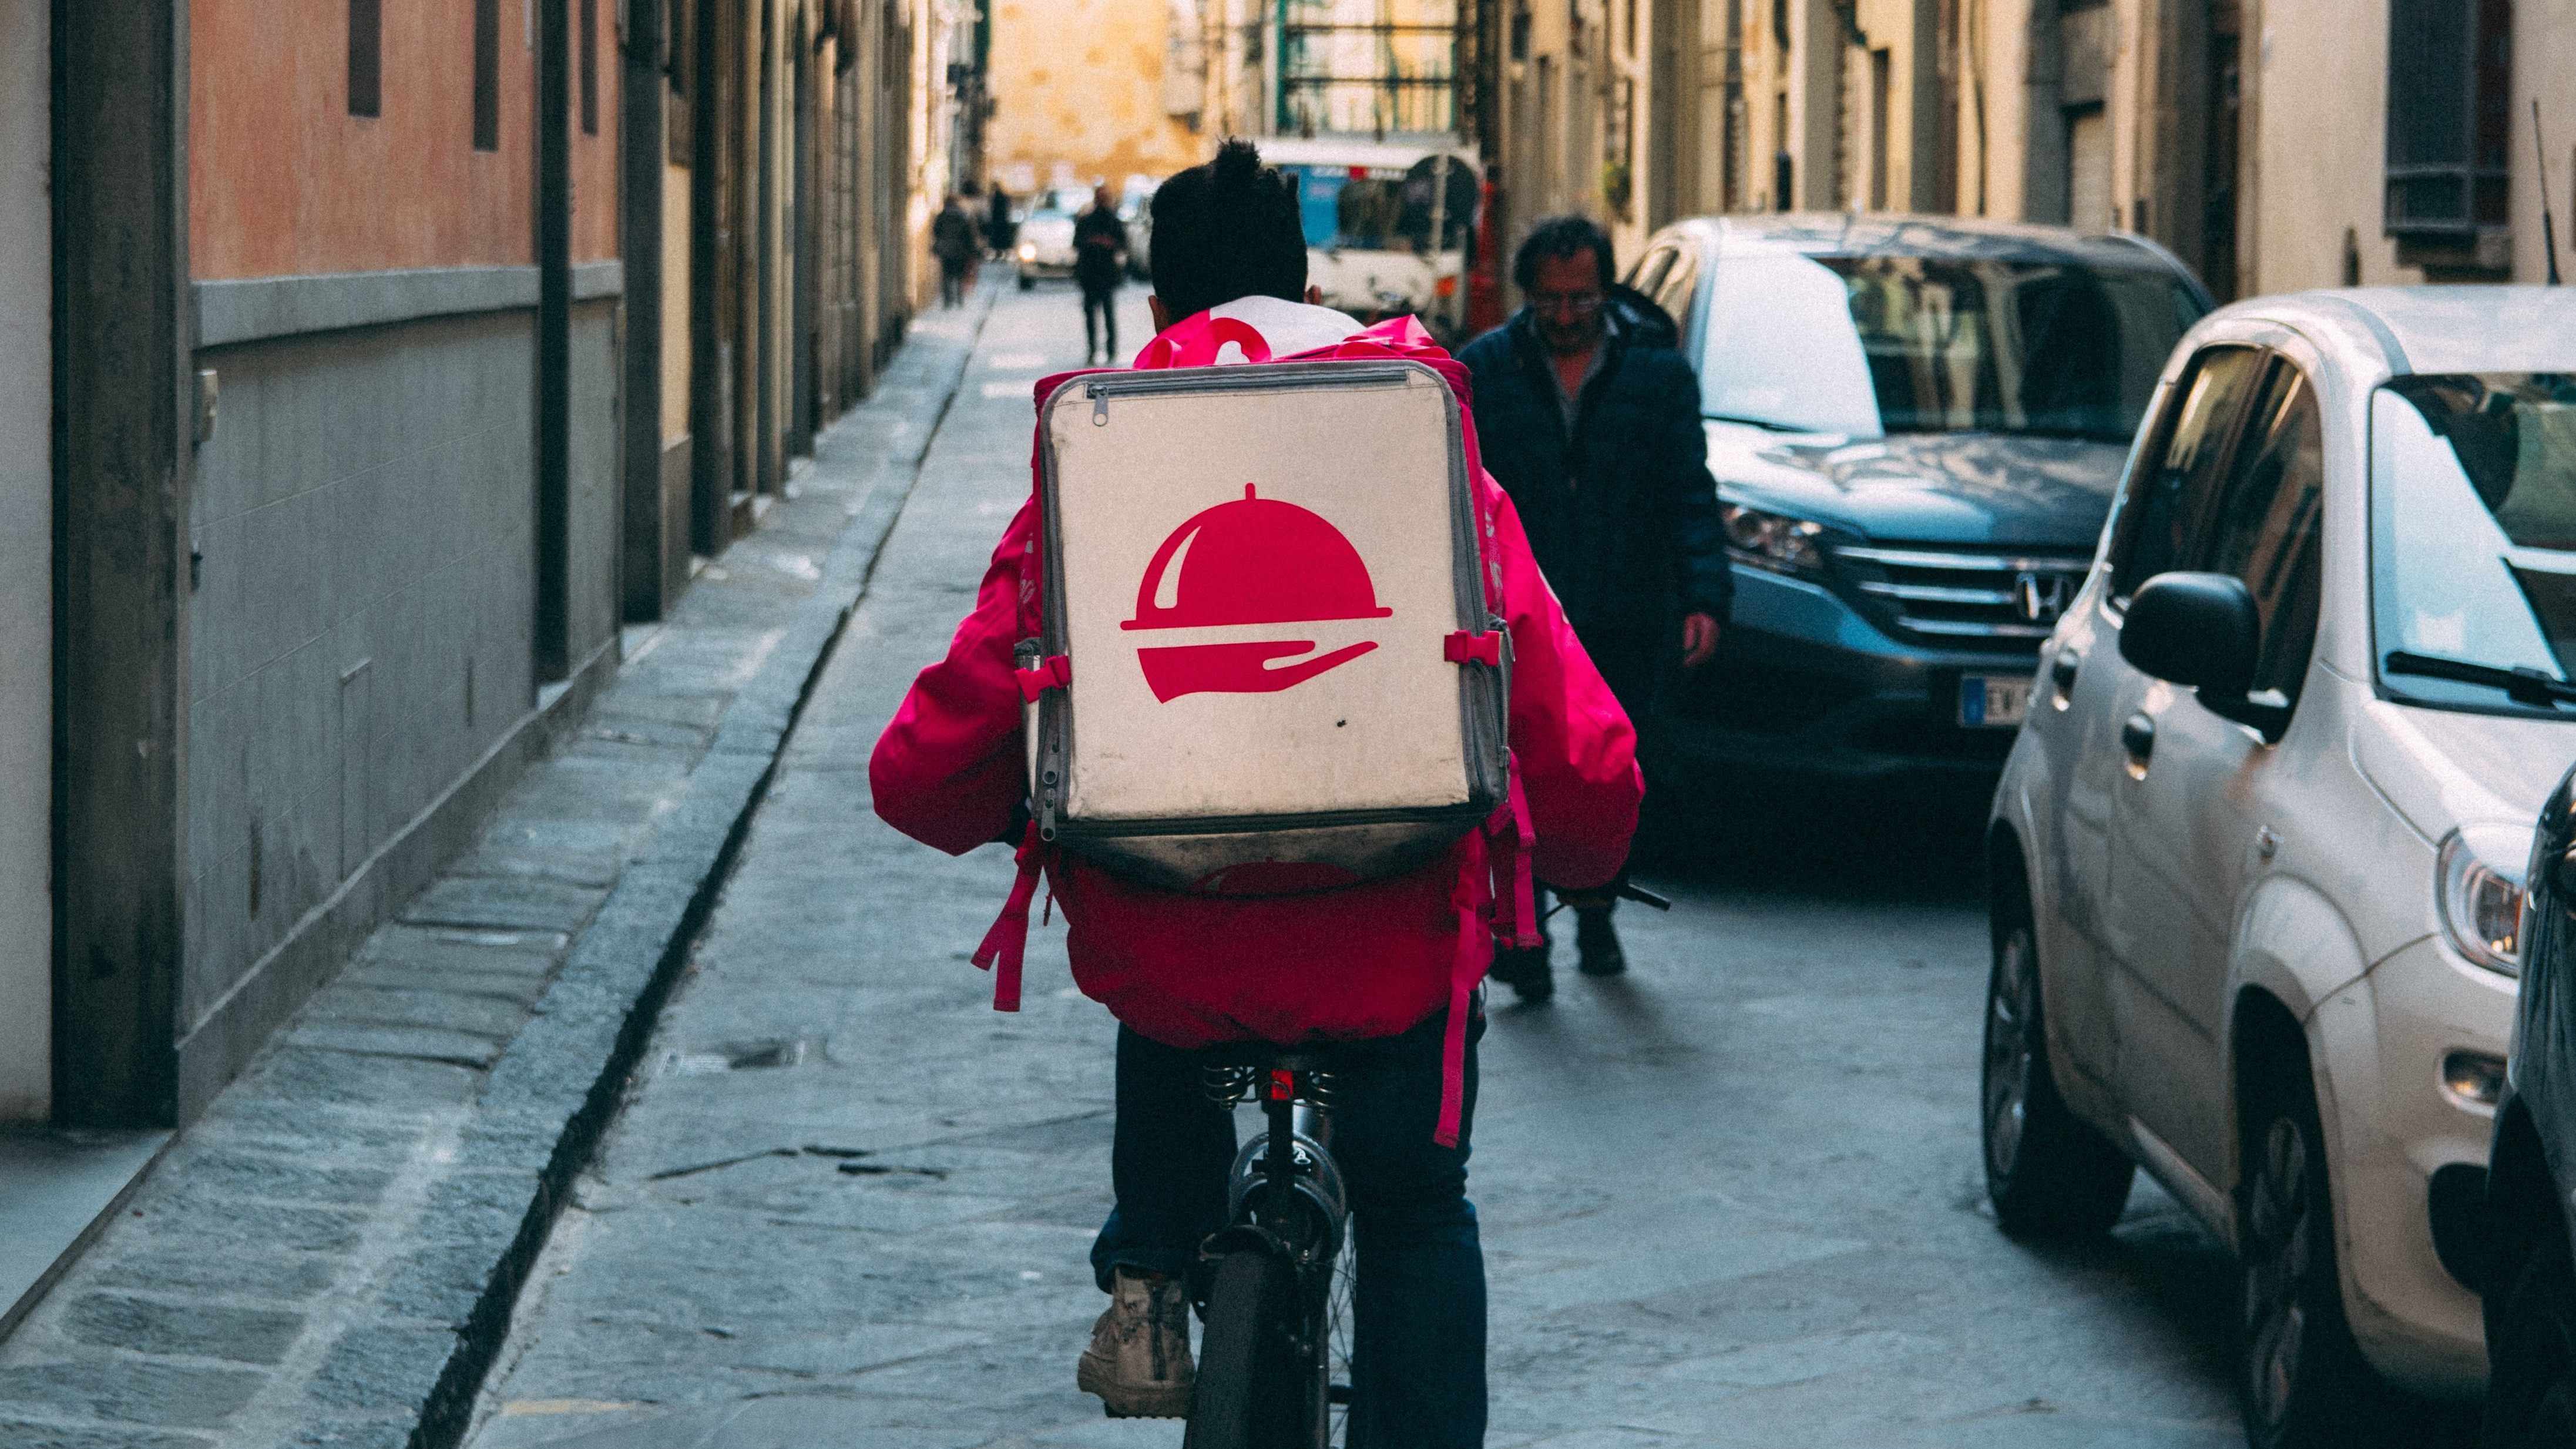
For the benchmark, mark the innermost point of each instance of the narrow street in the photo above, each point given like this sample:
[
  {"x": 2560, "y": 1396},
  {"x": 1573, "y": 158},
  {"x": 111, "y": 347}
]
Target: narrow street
[{"x": 1731, "y": 1199}]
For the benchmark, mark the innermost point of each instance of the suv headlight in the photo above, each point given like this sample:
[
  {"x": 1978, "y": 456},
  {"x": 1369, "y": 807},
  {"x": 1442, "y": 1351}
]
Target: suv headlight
[
  {"x": 2478, "y": 885},
  {"x": 1773, "y": 540}
]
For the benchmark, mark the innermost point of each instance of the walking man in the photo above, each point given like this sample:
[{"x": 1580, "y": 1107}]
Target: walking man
[
  {"x": 1589, "y": 417},
  {"x": 952, "y": 240},
  {"x": 1099, "y": 259}
]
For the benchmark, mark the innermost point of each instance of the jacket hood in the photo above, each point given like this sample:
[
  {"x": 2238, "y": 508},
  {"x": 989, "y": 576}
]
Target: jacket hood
[
  {"x": 1280, "y": 327},
  {"x": 1926, "y": 487},
  {"x": 1645, "y": 324}
]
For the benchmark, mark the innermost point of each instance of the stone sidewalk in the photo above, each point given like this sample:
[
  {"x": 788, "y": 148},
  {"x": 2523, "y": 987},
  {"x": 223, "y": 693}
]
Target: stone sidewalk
[{"x": 330, "y": 1255}]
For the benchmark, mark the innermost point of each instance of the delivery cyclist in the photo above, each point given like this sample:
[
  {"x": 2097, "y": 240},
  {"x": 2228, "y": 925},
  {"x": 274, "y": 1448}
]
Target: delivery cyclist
[{"x": 1375, "y": 965}]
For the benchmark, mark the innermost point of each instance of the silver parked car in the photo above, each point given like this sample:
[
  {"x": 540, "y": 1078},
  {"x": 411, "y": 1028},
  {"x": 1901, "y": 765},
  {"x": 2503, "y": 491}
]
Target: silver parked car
[{"x": 2258, "y": 854}]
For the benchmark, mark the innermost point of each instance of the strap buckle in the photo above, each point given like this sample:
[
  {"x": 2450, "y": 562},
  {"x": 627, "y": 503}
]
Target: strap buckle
[{"x": 1053, "y": 672}]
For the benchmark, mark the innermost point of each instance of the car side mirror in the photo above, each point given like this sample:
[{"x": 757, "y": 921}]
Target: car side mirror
[{"x": 2203, "y": 631}]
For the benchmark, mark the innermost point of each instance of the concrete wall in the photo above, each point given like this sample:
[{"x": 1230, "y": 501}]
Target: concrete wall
[
  {"x": 1078, "y": 88},
  {"x": 359, "y": 635},
  {"x": 591, "y": 521},
  {"x": 26, "y": 566}
]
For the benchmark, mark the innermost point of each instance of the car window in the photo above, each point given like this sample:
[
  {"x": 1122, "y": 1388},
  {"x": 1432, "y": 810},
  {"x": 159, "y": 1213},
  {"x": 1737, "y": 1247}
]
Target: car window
[
  {"x": 2473, "y": 531},
  {"x": 1871, "y": 345},
  {"x": 2176, "y": 476},
  {"x": 2264, "y": 526},
  {"x": 1673, "y": 291}
]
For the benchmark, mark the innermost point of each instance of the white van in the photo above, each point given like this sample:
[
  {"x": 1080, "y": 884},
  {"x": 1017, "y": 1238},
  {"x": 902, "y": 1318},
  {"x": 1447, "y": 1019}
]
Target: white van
[{"x": 1373, "y": 210}]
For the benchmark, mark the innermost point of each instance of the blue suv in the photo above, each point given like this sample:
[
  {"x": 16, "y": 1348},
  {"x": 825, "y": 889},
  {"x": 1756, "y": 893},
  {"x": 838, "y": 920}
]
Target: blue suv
[{"x": 1916, "y": 426}]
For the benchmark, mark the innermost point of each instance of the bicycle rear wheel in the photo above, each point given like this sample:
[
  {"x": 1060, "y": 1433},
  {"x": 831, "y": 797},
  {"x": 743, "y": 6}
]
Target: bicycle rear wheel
[{"x": 1255, "y": 1388}]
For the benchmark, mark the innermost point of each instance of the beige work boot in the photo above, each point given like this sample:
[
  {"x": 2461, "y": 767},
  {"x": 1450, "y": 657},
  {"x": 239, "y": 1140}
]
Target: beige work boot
[{"x": 1139, "y": 1359}]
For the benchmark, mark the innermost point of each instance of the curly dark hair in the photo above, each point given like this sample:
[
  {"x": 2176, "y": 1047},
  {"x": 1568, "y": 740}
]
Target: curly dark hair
[
  {"x": 1227, "y": 229},
  {"x": 1562, "y": 236}
]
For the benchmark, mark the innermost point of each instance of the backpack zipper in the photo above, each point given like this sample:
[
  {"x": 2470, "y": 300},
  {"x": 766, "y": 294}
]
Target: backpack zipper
[{"x": 1264, "y": 378}]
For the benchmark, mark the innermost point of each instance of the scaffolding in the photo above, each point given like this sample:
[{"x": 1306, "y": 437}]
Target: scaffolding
[{"x": 1367, "y": 67}]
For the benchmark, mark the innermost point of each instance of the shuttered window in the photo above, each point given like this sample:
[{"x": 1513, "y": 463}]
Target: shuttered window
[
  {"x": 590, "y": 67},
  {"x": 487, "y": 75},
  {"x": 366, "y": 58},
  {"x": 2450, "y": 116}
]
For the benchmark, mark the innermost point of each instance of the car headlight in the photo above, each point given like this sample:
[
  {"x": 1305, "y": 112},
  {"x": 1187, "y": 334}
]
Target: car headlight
[
  {"x": 2477, "y": 882},
  {"x": 1773, "y": 540},
  {"x": 1028, "y": 251}
]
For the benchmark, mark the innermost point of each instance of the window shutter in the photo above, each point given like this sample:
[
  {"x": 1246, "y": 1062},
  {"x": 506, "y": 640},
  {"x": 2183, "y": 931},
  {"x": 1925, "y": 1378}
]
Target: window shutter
[{"x": 2450, "y": 79}]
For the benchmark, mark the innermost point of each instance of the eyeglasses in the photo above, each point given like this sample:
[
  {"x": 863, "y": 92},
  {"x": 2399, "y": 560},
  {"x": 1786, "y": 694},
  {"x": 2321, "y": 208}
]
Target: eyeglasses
[{"x": 1578, "y": 304}]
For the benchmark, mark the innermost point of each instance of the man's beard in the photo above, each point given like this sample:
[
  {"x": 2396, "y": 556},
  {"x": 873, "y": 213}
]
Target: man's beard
[{"x": 1574, "y": 337}]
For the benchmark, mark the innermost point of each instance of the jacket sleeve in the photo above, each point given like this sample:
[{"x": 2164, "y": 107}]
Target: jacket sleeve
[
  {"x": 951, "y": 768},
  {"x": 1576, "y": 750},
  {"x": 1690, "y": 499}
]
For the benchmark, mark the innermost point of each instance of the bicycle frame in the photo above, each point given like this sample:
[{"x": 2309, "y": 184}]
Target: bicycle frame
[{"x": 1286, "y": 1202}]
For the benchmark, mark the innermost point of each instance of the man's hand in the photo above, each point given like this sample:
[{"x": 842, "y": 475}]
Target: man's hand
[{"x": 1699, "y": 640}]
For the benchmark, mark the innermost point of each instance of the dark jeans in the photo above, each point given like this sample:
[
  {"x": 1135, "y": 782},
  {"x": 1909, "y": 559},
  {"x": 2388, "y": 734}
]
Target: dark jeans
[
  {"x": 1099, "y": 315},
  {"x": 1418, "y": 1309},
  {"x": 952, "y": 281}
]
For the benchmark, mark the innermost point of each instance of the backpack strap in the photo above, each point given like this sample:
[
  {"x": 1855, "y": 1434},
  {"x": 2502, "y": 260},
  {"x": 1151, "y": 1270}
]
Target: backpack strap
[
  {"x": 1508, "y": 838},
  {"x": 1473, "y": 903},
  {"x": 1007, "y": 943}
]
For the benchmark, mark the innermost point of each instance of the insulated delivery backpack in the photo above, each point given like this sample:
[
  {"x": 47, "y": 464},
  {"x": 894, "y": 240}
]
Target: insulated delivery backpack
[{"x": 1267, "y": 665}]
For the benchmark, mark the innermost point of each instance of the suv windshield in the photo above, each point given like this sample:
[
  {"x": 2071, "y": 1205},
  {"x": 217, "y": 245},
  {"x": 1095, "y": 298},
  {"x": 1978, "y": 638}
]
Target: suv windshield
[
  {"x": 1866, "y": 346},
  {"x": 2473, "y": 536}
]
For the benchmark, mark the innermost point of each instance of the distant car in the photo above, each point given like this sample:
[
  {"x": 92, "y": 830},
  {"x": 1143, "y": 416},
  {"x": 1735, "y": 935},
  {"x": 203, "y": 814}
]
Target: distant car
[
  {"x": 1045, "y": 247},
  {"x": 1915, "y": 426},
  {"x": 2258, "y": 856}
]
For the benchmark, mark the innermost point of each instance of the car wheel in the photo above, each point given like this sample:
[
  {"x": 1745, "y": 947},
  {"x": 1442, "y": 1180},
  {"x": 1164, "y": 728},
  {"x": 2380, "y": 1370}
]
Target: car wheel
[
  {"x": 2300, "y": 1375},
  {"x": 2531, "y": 1383},
  {"x": 2046, "y": 1171}
]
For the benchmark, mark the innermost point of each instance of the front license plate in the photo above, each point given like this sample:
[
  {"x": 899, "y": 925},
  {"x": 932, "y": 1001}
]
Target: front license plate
[{"x": 1990, "y": 703}]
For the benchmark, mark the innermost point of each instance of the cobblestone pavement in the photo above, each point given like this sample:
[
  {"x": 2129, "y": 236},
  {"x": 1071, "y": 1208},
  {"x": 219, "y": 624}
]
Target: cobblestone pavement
[
  {"x": 1731, "y": 1199},
  {"x": 302, "y": 1266}
]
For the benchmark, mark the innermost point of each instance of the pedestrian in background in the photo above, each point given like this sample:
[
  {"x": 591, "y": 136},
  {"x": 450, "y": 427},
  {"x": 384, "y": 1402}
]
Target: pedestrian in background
[
  {"x": 1099, "y": 260},
  {"x": 997, "y": 223},
  {"x": 1588, "y": 415},
  {"x": 952, "y": 240}
]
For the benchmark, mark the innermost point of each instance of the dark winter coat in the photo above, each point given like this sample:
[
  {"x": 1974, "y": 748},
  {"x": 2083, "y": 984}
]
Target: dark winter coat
[
  {"x": 952, "y": 236},
  {"x": 1099, "y": 249},
  {"x": 1622, "y": 515}
]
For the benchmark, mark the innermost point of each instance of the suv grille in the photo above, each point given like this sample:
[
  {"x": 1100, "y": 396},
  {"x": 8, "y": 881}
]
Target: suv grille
[{"x": 1960, "y": 598}]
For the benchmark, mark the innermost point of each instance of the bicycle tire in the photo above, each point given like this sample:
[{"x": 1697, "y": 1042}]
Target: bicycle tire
[{"x": 1252, "y": 1390}]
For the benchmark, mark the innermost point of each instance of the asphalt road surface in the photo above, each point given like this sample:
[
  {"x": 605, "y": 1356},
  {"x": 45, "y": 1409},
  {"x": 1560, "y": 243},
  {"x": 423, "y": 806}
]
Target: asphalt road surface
[{"x": 1731, "y": 1199}]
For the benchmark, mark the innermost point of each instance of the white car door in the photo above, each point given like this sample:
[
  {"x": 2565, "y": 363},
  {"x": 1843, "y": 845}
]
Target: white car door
[{"x": 2190, "y": 805}]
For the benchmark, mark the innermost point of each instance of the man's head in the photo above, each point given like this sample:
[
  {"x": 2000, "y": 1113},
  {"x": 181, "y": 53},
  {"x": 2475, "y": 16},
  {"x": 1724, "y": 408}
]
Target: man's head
[
  {"x": 1564, "y": 269},
  {"x": 1225, "y": 230},
  {"x": 1101, "y": 199}
]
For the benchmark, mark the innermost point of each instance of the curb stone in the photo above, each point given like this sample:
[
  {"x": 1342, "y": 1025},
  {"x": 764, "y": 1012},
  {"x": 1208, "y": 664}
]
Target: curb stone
[{"x": 602, "y": 1004}]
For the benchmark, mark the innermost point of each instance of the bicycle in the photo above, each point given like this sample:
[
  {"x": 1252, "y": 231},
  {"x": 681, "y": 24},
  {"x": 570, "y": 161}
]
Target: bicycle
[{"x": 1274, "y": 1356}]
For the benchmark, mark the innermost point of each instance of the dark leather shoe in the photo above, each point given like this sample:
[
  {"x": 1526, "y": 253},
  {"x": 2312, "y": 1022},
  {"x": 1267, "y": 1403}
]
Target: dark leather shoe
[
  {"x": 1596, "y": 945},
  {"x": 1526, "y": 972}
]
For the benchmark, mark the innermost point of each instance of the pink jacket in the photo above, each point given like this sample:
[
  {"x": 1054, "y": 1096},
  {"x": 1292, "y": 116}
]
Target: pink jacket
[{"x": 1362, "y": 961}]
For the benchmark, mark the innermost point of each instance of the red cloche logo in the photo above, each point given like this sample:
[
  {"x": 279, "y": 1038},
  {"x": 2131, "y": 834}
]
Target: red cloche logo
[{"x": 1249, "y": 561}]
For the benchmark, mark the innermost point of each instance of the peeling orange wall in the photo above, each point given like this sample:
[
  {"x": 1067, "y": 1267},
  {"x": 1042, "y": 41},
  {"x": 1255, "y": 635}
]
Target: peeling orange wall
[
  {"x": 283, "y": 180},
  {"x": 1080, "y": 82}
]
